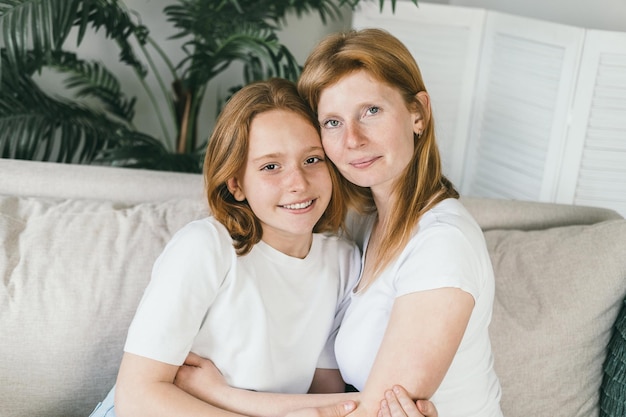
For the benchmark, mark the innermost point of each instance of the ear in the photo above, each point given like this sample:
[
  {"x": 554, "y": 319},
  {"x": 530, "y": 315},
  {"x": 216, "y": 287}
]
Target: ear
[
  {"x": 235, "y": 189},
  {"x": 421, "y": 113}
]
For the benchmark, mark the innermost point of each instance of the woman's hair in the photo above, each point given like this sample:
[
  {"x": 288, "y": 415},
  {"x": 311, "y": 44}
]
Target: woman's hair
[
  {"x": 227, "y": 153},
  {"x": 386, "y": 59}
]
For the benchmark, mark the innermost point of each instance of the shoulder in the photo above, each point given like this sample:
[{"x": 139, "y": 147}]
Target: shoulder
[
  {"x": 447, "y": 235},
  {"x": 449, "y": 218},
  {"x": 204, "y": 236}
]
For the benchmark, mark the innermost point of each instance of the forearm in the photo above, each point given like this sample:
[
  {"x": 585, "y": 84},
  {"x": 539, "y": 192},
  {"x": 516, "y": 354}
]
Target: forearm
[
  {"x": 264, "y": 404},
  {"x": 163, "y": 399},
  {"x": 417, "y": 350},
  {"x": 145, "y": 387}
]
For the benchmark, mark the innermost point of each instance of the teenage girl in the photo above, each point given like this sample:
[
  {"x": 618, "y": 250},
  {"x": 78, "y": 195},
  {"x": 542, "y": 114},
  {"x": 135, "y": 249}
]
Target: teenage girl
[{"x": 258, "y": 287}]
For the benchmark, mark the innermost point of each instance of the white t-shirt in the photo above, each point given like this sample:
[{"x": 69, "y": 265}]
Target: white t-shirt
[
  {"x": 448, "y": 250},
  {"x": 267, "y": 320}
]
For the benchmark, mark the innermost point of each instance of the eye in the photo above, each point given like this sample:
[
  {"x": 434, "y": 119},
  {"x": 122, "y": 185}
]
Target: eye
[
  {"x": 330, "y": 123},
  {"x": 269, "y": 167},
  {"x": 313, "y": 160},
  {"x": 373, "y": 110}
]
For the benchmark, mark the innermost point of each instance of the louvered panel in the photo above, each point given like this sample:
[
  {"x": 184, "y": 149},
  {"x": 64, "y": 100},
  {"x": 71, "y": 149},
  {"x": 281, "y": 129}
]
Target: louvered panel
[
  {"x": 493, "y": 179},
  {"x": 445, "y": 42},
  {"x": 519, "y": 108},
  {"x": 596, "y": 155},
  {"x": 524, "y": 90},
  {"x": 602, "y": 176}
]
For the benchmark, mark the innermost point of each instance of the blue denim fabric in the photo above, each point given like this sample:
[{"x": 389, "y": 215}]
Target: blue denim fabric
[{"x": 105, "y": 408}]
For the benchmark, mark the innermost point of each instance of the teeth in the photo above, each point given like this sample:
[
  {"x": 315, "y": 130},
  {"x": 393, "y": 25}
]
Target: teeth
[{"x": 298, "y": 206}]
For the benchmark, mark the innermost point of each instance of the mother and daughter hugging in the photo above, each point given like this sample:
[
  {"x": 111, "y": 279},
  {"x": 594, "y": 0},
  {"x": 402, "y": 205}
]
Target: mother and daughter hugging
[{"x": 336, "y": 253}]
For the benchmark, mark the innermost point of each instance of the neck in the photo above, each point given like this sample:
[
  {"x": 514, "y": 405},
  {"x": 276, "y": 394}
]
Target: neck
[
  {"x": 296, "y": 247},
  {"x": 383, "y": 203}
]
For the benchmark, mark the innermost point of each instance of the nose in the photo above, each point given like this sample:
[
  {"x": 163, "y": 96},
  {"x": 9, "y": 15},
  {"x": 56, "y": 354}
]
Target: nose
[
  {"x": 296, "y": 180},
  {"x": 355, "y": 136}
]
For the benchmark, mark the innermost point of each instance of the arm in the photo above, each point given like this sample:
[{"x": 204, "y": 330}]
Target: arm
[
  {"x": 200, "y": 378},
  {"x": 397, "y": 403},
  {"x": 424, "y": 332},
  {"x": 145, "y": 387}
]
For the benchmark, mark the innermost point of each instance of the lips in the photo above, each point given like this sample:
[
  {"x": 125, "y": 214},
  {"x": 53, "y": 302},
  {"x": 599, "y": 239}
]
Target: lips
[
  {"x": 364, "y": 162},
  {"x": 298, "y": 206}
]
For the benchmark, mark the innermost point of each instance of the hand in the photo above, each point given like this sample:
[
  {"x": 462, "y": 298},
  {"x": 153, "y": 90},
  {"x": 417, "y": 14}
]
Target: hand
[
  {"x": 337, "y": 410},
  {"x": 397, "y": 403},
  {"x": 200, "y": 377}
]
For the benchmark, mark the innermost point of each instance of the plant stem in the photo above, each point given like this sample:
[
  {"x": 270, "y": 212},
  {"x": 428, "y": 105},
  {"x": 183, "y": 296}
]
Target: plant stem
[{"x": 164, "y": 89}]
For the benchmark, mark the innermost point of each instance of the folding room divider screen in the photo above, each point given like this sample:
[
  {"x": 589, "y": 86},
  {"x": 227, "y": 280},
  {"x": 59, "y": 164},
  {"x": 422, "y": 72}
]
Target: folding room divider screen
[{"x": 525, "y": 109}]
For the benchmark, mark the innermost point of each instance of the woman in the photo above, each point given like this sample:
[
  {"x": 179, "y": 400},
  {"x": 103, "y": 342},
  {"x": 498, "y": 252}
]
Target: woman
[{"x": 421, "y": 309}]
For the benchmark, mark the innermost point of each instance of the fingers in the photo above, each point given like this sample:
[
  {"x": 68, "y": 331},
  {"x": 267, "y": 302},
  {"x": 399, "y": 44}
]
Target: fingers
[
  {"x": 340, "y": 410},
  {"x": 398, "y": 403},
  {"x": 427, "y": 408},
  {"x": 337, "y": 410}
]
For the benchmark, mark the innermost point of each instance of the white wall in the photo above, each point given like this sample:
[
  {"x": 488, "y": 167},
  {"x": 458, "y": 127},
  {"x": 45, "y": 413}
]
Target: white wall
[{"x": 596, "y": 14}]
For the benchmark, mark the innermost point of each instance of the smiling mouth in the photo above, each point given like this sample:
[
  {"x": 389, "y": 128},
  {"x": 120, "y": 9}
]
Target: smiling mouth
[
  {"x": 298, "y": 206},
  {"x": 362, "y": 163}
]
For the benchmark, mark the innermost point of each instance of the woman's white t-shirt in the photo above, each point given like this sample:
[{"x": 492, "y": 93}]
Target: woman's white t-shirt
[
  {"x": 267, "y": 320},
  {"x": 447, "y": 250}
]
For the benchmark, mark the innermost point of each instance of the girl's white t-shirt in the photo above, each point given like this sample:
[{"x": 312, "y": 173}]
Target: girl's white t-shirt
[
  {"x": 447, "y": 250},
  {"x": 267, "y": 320}
]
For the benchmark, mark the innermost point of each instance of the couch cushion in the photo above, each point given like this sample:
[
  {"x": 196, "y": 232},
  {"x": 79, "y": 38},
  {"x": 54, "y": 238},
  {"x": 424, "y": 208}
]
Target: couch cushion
[
  {"x": 72, "y": 273},
  {"x": 558, "y": 292}
]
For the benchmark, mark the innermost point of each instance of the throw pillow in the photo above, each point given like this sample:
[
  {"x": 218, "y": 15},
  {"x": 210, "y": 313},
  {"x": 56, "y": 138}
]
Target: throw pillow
[{"x": 558, "y": 292}]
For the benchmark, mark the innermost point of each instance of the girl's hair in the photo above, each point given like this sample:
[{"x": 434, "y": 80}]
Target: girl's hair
[
  {"x": 227, "y": 153},
  {"x": 387, "y": 59}
]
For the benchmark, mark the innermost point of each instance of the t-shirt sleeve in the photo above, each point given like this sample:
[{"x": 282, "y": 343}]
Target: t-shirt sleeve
[
  {"x": 441, "y": 256},
  {"x": 185, "y": 280},
  {"x": 350, "y": 266}
]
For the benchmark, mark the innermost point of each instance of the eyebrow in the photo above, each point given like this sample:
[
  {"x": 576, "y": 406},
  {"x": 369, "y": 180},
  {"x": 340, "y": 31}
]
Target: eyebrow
[{"x": 278, "y": 154}]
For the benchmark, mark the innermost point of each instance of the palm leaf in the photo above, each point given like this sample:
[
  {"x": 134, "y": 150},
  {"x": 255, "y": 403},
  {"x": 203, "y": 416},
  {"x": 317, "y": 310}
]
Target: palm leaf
[
  {"x": 40, "y": 27},
  {"x": 116, "y": 20},
  {"x": 91, "y": 79},
  {"x": 36, "y": 126}
]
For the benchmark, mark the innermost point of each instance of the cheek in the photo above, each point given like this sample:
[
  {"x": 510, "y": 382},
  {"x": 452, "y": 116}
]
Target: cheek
[{"x": 332, "y": 148}]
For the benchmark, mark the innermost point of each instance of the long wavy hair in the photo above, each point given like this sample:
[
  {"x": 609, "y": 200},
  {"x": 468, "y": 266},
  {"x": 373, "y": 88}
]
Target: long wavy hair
[
  {"x": 422, "y": 185},
  {"x": 227, "y": 153}
]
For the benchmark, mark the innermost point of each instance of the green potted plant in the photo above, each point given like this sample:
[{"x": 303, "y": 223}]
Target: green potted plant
[{"x": 93, "y": 123}]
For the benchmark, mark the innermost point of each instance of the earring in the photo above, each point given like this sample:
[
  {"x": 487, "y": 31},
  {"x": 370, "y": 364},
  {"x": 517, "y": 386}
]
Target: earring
[{"x": 419, "y": 134}]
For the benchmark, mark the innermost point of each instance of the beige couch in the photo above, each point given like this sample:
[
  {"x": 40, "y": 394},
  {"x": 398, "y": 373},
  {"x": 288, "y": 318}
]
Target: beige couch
[{"x": 77, "y": 244}]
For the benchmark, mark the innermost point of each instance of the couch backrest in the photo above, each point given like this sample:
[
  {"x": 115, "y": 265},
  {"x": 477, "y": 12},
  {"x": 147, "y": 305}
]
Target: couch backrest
[
  {"x": 77, "y": 245},
  {"x": 65, "y": 181}
]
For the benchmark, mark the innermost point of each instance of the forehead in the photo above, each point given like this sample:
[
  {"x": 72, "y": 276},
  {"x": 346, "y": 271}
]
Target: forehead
[
  {"x": 280, "y": 130},
  {"x": 356, "y": 87}
]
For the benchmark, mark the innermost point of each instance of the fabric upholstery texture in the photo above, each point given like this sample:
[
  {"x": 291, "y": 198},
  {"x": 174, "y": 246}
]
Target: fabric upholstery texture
[
  {"x": 558, "y": 292},
  {"x": 72, "y": 274}
]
